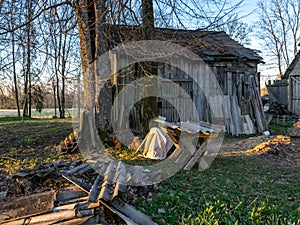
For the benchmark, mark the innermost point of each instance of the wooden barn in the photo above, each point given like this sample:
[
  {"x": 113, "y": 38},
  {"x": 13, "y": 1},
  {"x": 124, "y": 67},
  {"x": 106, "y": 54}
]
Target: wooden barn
[
  {"x": 292, "y": 78},
  {"x": 234, "y": 67}
]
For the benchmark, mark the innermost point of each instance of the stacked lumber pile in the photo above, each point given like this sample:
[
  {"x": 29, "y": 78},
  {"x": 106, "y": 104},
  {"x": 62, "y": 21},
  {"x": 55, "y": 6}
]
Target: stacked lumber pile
[
  {"x": 190, "y": 139},
  {"x": 237, "y": 103}
]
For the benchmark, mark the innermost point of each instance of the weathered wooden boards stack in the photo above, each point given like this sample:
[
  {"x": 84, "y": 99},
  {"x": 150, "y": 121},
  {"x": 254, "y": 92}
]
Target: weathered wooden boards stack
[
  {"x": 51, "y": 207},
  {"x": 190, "y": 140},
  {"x": 294, "y": 133},
  {"x": 44, "y": 175},
  {"x": 105, "y": 189},
  {"x": 20, "y": 203},
  {"x": 243, "y": 106}
]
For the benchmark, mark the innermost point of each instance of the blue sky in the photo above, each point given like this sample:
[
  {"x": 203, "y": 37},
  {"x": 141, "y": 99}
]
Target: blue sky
[{"x": 250, "y": 6}]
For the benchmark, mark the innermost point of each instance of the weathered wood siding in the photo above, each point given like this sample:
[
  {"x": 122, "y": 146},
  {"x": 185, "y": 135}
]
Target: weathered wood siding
[
  {"x": 239, "y": 83},
  {"x": 278, "y": 92},
  {"x": 185, "y": 82},
  {"x": 292, "y": 76},
  {"x": 294, "y": 94}
]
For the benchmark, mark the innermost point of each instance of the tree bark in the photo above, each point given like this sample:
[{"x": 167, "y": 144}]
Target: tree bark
[
  {"x": 27, "y": 83},
  {"x": 147, "y": 19},
  {"x": 93, "y": 43},
  {"x": 149, "y": 108},
  {"x": 54, "y": 97},
  {"x": 15, "y": 74}
]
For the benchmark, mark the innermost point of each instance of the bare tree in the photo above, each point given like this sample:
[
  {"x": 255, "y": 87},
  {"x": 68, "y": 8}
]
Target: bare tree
[
  {"x": 237, "y": 30},
  {"x": 95, "y": 21},
  {"x": 9, "y": 15},
  {"x": 279, "y": 28},
  {"x": 95, "y": 16},
  {"x": 61, "y": 48}
]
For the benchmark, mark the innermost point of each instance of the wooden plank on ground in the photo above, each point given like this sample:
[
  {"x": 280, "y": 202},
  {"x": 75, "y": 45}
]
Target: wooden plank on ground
[
  {"x": 131, "y": 212},
  {"x": 196, "y": 157},
  {"x": 27, "y": 205},
  {"x": 176, "y": 153},
  {"x": 183, "y": 158},
  {"x": 69, "y": 193},
  {"x": 47, "y": 218}
]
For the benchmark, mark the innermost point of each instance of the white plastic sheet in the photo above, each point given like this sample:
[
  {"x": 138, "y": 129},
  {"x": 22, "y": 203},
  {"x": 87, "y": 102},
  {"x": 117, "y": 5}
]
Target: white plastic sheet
[{"x": 157, "y": 144}]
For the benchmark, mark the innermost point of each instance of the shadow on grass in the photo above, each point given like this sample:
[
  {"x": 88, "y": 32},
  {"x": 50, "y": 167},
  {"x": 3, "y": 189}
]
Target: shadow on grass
[
  {"x": 9, "y": 119},
  {"x": 16, "y": 118}
]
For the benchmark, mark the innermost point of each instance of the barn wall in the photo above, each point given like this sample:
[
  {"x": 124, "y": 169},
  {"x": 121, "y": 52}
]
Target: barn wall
[
  {"x": 238, "y": 81},
  {"x": 294, "y": 94},
  {"x": 278, "y": 92}
]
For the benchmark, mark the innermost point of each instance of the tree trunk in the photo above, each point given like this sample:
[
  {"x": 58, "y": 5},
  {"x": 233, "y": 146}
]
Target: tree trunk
[
  {"x": 25, "y": 109},
  {"x": 147, "y": 19},
  {"x": 15, "y": 74},
  {"x": 63, "y": 74},
  {"x": 54, "y": 97},
  {"x": 149, "y": 105},
  {"x": 27, "y": 83},
  {"x": 29, "y": 39},
  {"x": 57, "y": 93},
  {"x": 93, "y": 43},
  {"x": 62, "y": 115}
]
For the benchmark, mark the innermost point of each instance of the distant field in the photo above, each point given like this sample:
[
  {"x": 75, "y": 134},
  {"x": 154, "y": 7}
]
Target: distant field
[{"x": 34, "y": 113}]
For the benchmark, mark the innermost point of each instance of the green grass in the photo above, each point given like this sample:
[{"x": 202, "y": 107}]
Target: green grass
[
  {"x": 280, "y": 128},
  {"x": 22, "y": 145},
  {"x": 130, "y": 156},
  {"x": 234, "y": 190}
]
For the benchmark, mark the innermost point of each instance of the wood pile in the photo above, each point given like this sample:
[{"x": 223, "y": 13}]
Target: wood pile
[
  {"x": 190, "y": 140},
  {"x": 278, "y": 109},
  {"x": 244, "y": 113}
]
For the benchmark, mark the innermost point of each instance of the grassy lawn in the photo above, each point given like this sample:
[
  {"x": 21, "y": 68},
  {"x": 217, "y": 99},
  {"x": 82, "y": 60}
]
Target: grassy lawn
[
  {"x": 234, "y": 190},
  {"x": 259, "y": 189},
  {"x": 280, "y": 128},
  {"x": 24, "y": 144}
]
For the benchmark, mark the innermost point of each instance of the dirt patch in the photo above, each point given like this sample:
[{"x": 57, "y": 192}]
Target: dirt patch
[
  {"x": 236, "y": 144},
  {"x": 275, "y": 148}
]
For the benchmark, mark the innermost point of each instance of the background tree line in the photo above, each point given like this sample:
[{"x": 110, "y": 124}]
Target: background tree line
[{"x": 39, "y": 47}]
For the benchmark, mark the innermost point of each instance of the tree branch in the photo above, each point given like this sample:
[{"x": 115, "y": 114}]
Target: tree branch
[{"x": 34, "y": 17}]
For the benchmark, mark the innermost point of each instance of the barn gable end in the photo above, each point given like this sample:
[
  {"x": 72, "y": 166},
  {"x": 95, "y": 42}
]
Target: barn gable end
[{"x": 292, "y": 77}]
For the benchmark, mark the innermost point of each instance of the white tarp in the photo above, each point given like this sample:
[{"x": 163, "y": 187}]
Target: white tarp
[{"x": 157, "y": 144}]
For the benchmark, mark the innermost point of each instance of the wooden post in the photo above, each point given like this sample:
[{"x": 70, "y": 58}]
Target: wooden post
[{"x": 283, "y": 120}]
